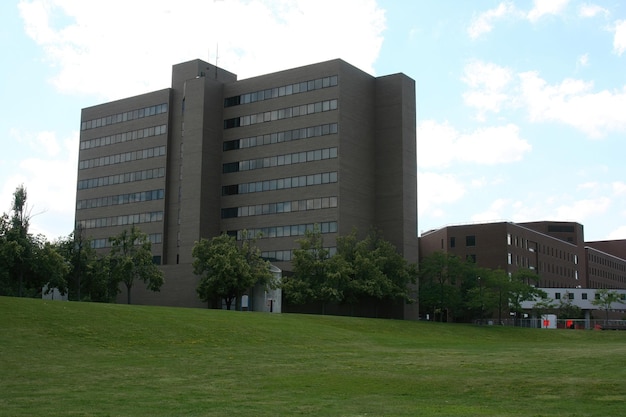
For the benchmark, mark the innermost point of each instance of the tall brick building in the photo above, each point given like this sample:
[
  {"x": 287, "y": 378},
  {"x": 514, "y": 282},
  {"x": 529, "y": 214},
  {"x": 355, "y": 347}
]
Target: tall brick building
[{"x": 325, "y": 144}]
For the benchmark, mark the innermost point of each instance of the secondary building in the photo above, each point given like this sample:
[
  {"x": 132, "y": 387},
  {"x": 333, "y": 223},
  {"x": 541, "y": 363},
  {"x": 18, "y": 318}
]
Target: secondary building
[
  {"x": 325, "y": 144},
  {"x": 565, "y": 264},
  {"x": 557, "y": 251}
]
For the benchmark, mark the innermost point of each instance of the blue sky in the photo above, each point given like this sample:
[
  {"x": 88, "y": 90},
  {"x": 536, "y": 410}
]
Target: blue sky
[{"x": 521, "y": 104}]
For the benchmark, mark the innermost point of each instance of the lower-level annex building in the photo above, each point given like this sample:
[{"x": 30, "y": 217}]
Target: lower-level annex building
[
  {"x": 324, "y": 144},
  {"x": 557, "y": 251}
]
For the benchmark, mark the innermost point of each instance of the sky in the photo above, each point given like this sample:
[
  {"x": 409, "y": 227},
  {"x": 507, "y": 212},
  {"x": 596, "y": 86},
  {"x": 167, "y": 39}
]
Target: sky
[{"x": 521, "y": 105}]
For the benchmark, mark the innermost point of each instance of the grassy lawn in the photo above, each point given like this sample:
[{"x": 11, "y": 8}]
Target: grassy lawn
[{"x": 83, "y": 359}]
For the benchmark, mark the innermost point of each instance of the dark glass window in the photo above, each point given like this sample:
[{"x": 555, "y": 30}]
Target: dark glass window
[
  {"x": 230, "y": 123},
  {"x": 230, "y": 145},
  {"x": 229, "y": 213},
  {"x": 230, "y": 189},
  {"x": 452, "y": 242},
  {"x": 230, "y": 167},
  {"x": 470, "y": 240}
]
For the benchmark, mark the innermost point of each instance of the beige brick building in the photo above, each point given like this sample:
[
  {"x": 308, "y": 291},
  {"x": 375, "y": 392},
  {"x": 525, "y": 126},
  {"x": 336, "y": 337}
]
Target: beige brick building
[{"x": 324, "y": 144}]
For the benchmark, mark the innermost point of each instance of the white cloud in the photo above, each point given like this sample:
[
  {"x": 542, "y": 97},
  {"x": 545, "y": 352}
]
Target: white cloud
[
  {"x": 436, "y": 189},
  {"x": 45, "y": 176},
  {"x": 99, "y": 50},
  {"x": 583, "y": 209},
  {"x": 583, "y": 60},
  {"x": 591, "y": 10},
  {"x": 617, "y": 234},
  {"x": 488, "y": 83},
  {"x": 573, "y": 102},
  {"x": 619, "y": 188},
  {"x": 439, "y": 145},
  {"x": 483, "y": 23},
  {"x": 435, "y": 144},
  {"x": 589, "y": 185},
  {"x": 41, "y": 141},
  {"x": 546, "y": 7},
  {"x": 494, "y": 212},
  {"x": 619, "y": 39}
]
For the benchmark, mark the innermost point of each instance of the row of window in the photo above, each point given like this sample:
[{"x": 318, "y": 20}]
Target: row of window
[
  {"x": 559, "y": 270},
  {"x": 280, "y": 183},
  {"x": 610, "y": 275},
  {"x": 521, "y": 242},
  {"x": 124, "y": 117},
  {"x": 285, "y": 90},
  {"x": 154, "y": 238},
  {"x": 598, "y": 284},
  {"x": 469, "y": 241},
  {"x": 280, "y": 160},
  {"x": 583, "y": 296},
  {"x": 284, "y": 231},
  {"x": 544, "y": 249},
  {"x": 114, "y": 200},
  {"x": 286, "y": 113},
  {"x": 146, "y": 174},
  {"x": 155, "y": 216},
  {"x": 558, "y": 253},
  {"x": 278, "y": 137},
  {"x": 122, "y": 157},
  {"x": 124, "y": 137},
  {"x": 287, "y": 255},
  {"x": 600, "y": 260},
  {"x": 282, "y": 207}
]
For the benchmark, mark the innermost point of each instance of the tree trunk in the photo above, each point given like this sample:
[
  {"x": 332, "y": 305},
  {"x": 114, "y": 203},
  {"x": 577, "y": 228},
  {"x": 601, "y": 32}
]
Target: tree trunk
[
  {"x": 128, "y": 287},
  {"x": 21, "y": 289}
]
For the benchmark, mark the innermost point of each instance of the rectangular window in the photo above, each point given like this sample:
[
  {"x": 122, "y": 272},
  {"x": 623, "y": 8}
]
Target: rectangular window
[
  {"x": 557, "y": 295},
  {"x": 452, "y": 242},
  {"x": 470, "y": 240}
]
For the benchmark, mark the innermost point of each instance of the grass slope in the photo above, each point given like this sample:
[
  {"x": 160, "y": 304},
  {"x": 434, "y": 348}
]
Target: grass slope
[{"x": 82, "y": 359}]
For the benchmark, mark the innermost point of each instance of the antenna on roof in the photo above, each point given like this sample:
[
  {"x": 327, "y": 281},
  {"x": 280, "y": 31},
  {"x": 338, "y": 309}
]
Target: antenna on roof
[{"x": 217, "y": 51}]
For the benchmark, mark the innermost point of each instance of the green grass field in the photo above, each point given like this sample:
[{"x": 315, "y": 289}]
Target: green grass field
[{"x": 83, "y": 359}]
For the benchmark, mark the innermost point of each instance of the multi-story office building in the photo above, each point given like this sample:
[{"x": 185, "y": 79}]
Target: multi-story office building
[
  {"x": 324, "y": 144},
  {"x": 557, "y": 251}
]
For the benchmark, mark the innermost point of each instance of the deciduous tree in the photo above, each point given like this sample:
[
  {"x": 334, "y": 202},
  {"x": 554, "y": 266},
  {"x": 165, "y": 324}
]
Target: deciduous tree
[
  {"x": 131, "y": 259},
  {"x": 226, "y": 270},
  {"x": 605, "y": 299}
]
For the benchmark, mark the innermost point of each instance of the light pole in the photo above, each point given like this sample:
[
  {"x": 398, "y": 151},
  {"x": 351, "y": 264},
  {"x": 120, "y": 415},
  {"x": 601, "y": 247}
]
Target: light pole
[{"x": 480, "y": 286}]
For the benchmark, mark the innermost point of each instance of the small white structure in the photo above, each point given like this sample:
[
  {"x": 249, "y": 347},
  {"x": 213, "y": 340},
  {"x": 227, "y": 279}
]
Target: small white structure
[
  {"x": 548, "y": 321},
  {"x": 52, "y": 294},
  {"x": 269, "y": 299}
]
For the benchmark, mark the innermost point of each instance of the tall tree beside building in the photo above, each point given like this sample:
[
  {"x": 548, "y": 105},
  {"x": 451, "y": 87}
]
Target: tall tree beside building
[
  {"x": 18, "y": 249},
  {"x": 226, "y": 270},
  {"x": 367, "y": 270},
  {"x": 439, "y": 290},
  {"x": 131, "y": 259},
  {"x": 605, "y": 299},
  {"x": 313, "y": 280}
]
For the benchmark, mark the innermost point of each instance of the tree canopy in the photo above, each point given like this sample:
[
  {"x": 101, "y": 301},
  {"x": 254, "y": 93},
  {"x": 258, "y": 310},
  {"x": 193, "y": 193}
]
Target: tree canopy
[
  {"x": 605, "y": 299},
  {"x": 130, "y": 259},
  {"x": 27, "y": 262},
  {"x": 227, "y": 270},
  {"x": 370, "y": 269},
  {"x": 456, "y": 289}
]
